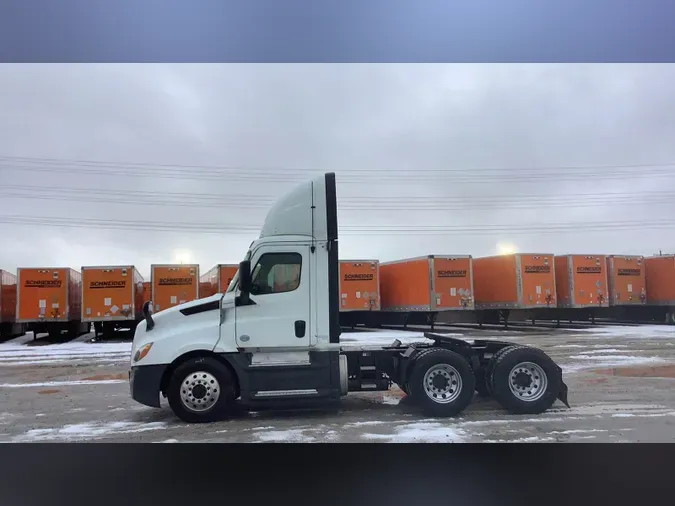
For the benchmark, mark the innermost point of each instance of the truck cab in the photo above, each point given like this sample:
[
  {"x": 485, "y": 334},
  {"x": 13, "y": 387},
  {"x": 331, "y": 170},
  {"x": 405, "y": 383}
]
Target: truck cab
[{"x": 272, "y": 340}]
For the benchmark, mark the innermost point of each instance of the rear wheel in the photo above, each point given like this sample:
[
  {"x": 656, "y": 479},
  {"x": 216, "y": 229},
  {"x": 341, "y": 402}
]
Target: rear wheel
[
  {"x": 525, "y": 380},
  {"x": 201, "y": 390},
  {"x": 442, "y": 382}
]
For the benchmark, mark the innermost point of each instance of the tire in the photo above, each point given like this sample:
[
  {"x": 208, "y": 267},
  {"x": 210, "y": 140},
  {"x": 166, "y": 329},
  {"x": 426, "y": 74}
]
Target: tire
[
  {"x": 489, "y": 369},
  {"x": 518, "y": 367},
  {"x": 200, "y": 375},
  {"x": 430, "y": 395}
]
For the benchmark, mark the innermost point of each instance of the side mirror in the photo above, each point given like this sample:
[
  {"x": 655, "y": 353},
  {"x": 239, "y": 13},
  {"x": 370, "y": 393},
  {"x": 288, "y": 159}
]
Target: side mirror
[{"x": 245, "y": 280}]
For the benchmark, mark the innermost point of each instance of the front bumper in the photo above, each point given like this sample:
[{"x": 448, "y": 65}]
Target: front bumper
[{"x": 145, "y": 383}]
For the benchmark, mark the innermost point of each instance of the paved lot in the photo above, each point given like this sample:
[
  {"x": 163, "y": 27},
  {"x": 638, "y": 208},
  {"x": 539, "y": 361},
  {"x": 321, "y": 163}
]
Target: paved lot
[{"x": 621, "y": 382}]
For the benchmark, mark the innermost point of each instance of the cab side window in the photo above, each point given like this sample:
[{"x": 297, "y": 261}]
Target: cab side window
[{"x": 276, "y": 273}]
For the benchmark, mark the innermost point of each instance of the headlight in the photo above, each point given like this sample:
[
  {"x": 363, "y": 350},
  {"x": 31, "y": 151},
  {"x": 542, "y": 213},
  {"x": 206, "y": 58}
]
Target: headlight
[{"x": 142, "y": 352}]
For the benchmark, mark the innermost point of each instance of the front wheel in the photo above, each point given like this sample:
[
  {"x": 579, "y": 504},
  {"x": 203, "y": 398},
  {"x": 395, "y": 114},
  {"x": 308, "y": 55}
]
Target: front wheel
[
  {"x": 442, "y": 382},
  {"x": 201, "y": 390},
  {"x": 525, "y": 380}
]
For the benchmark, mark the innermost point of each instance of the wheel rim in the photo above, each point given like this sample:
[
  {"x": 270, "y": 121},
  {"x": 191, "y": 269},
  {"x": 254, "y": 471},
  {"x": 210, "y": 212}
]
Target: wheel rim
[
  {"x": 442, "y": 383},
  {"x": 199, "y": 391},
  {"x": 528, "y": 381}
]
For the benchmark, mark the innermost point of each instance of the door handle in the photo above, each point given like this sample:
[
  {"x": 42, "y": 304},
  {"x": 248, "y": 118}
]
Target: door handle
[{"x": 300, "y": 328}]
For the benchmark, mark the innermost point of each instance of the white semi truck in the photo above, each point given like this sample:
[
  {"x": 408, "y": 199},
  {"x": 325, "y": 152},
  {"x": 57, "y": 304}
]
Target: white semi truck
[{"x": 275, "y": 343}]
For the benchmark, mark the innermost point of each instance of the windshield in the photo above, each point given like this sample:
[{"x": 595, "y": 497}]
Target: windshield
[{"x": 235, "y": 278}]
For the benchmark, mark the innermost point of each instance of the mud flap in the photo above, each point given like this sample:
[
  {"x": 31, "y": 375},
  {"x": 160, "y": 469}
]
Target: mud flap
[{"x": 562, "y": 394}]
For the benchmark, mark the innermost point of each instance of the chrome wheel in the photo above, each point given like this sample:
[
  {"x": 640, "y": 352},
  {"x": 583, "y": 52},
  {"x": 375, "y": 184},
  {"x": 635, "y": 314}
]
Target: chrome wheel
[
  {"x": 442, "y": 383},
  {"x": 199, "y": 391},
  {"x": 528, "y": 381}
]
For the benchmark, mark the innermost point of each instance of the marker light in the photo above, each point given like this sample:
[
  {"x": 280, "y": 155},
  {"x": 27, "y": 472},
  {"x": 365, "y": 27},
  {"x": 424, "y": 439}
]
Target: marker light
[{"x": 142, "y": 352}]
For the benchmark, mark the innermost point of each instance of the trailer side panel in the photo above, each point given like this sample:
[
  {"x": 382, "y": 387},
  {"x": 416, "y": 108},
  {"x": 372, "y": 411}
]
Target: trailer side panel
[
  {"x": 7, "y": 297},
  {"x": 660, "y": 280},
  {"x": 405, "y": 285},
  {"x": 495, "y": 281},
  {"x": 225, "y": 274}
]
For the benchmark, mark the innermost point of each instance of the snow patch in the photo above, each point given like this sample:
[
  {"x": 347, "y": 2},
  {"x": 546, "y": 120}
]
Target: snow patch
[
  {"x": 390, "y": 400},
  {"x": 617, "y": 358},
  {"x": 17, "y": 353},
  {"x": 89, "y": 430},
  {"x": 576, "y": 431},
  {"x": 602, "y": 350},
  {"x": 531, "y": 439},
  {"x": 285, "y": 436},
  {"x": 59, "y": 383},
  {"x": 607, "y": 361},
  {"x": 368, "y": 423},
  {"x": 420, "y": 432},
  {"x": 639, "y": 332}
]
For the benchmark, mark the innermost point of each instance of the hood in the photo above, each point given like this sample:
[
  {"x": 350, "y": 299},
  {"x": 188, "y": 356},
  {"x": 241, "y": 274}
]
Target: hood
[{"x": 185, "y": 305}]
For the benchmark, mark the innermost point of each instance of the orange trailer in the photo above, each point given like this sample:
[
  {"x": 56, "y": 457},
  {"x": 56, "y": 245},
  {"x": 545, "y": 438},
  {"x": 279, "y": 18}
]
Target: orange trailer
[
  {"x": 50, "y": 300},
  {"x": 430, "y": 283},
  {"x": 147, "y": 291},
  {"x": 581, "y": 281},
  {"x": 660, "y": 280},
  {"x": 516, "y": 281},
  {"x": 7, "y": 297},
  {"x": 8, "y": 293},
  {"x": 113, "y": 293},
  {"x": 359, "y": 285},
  {"x": 217, "y": 279},
  {"x": 174, "y": 284},
  {"x": 627, "y": 282}
]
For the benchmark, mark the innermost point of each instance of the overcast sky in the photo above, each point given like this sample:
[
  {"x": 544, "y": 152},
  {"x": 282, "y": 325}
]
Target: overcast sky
[{"x": 494, "y": 153}]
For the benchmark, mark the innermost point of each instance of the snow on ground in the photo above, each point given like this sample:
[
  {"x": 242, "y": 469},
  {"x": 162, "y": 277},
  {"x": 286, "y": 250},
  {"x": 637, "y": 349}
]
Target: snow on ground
[
  {"x": 582, "y": 362},
  {"x": 420, "y": 432},
  {"x": 640, "y": 332},
  {"x": 89, "y": 430},
  {"x": 602, "y": 350},
  {"x": 285, "y": 436},
  {"x": 61, "y": 383},
  {"x": 17, "y": 353}
]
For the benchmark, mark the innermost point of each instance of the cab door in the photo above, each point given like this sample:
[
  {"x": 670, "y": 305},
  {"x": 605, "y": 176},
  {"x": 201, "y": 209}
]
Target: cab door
[{"x": 279, "y": 311}]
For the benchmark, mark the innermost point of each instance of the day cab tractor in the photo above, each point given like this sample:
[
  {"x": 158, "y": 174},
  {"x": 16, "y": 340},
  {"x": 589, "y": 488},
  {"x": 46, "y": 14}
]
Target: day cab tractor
[{"x": 272, "y": 340}]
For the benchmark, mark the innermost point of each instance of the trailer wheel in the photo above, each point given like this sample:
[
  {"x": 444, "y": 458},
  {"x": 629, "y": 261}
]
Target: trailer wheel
[
  {"x": 525, "y": 380},
  {"x": 441, "y": 382},
  {"x": 201, "y": 390}
]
